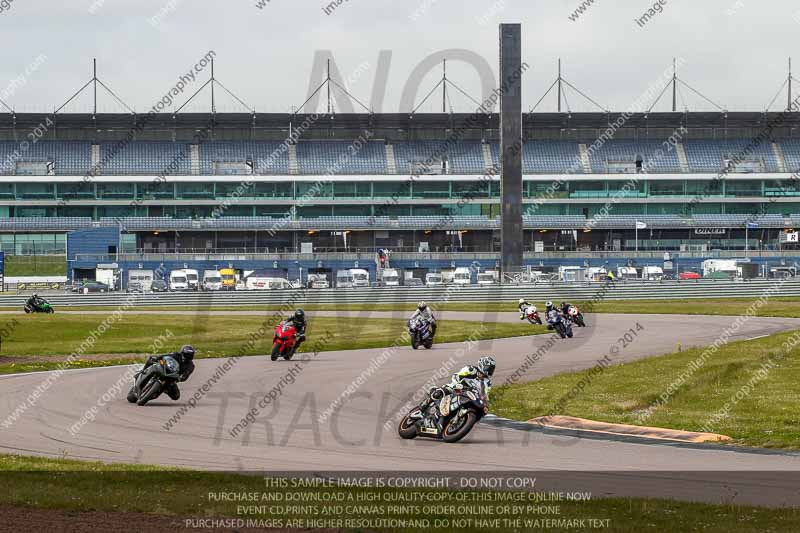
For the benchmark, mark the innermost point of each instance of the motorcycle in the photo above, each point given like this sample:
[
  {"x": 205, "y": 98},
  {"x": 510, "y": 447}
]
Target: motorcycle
[
  {"x": 150, "y": 381},
  {"x": 575, "y": 315},
  {"x": 532, "y": 315},
  {"x": 457, "y": 413},
  {"x": 421, "y": 333},
  {"x": 38, "y": 306},
  {"x": 284, "y": 342},
  {"x": 557, "y": 322}
]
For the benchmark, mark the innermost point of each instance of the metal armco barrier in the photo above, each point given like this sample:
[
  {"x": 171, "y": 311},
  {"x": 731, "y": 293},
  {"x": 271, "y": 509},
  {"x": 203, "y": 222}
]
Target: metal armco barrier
[{"x": 673, "y": 290}]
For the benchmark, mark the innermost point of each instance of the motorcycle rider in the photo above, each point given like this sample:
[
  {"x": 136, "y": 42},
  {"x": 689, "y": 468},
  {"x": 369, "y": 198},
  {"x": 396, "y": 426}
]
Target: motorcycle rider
[
  {"x": 424, "y": 312},
  {"x": 185, "y": 358},
  {"x": 298, "y": 320},
  {"x": 523, "y": 308},
  {"x": 35, "y": 301},
  {"x": 565, "y": 308},
  {"x": 551, "y": 314},
  {"x": 483, "y": 371}
]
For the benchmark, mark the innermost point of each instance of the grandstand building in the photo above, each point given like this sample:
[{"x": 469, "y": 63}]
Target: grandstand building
[{"x": 264, "y": 189}]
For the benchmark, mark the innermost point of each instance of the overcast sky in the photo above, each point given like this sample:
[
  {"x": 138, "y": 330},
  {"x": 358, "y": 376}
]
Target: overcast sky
[{"x": 734, "y": 52}]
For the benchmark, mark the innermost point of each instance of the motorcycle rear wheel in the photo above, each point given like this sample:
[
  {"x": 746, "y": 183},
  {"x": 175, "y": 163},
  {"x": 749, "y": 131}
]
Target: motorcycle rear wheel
[
  {"x": 288, "y": 356},
  {"x": 428, "y": 344},
  {"x": 456, "y": 434},
  {"x": 407, "y": 428},
  {"x": 560, "y": 330}
]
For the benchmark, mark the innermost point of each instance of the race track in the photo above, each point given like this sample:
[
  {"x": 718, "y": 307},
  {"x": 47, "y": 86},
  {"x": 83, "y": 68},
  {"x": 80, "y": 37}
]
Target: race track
[{"x": 289, "y": 434}]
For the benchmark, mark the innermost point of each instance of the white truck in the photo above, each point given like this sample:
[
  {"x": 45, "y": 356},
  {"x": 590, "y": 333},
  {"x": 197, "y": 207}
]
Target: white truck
[
  {"x": 178, "y": 281},
  {"x": 212, "y": 280},
  {"x": 140, "y": 280},
  {"x": 192, "y": 278},
  {"x": 390, "y": 277},
  {"x": 360, "y": 277},
  {"x": 462, "y": 276},
  {"x": 433, "y": 279},
  {"x": 627, "y": 272},
  {"x": 652, "y": 273},
  {"x": 489, "y": 277},
  {"x": 344, "y": 279},
  {"x": 571, "y": 273},
  {"x": 318, "y": 281},
  {"x": 720, "y": 266}
]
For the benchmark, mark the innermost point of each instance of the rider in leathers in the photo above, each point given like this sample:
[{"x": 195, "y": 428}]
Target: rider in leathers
[
  {"x": 424, "y": 312},
  {"x": 483, "y": 371},
  {"x": 185, "y": 358},
  {"x": 298, "y": 320}
]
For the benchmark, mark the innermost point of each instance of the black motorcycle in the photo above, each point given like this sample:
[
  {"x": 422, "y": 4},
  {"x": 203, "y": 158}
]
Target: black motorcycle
[
  {"x": 557, "y": 322},
  {"x": 38, "y": 305},
  {"x": 150, "y": 381},
  {"x": 449, "y": 417},
  {"x": 421, "y": 333}
]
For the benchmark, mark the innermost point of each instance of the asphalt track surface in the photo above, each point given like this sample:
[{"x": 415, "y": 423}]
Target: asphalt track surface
[{"x": 292, "y": 433}]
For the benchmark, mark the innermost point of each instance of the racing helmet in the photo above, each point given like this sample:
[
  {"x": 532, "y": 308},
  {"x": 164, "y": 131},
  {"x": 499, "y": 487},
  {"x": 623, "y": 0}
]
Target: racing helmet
[
  {"x": 422, "y": 306},
  {"x": 187, "y": 351},
  {"x": 299, "y": 315},
  {"x": 486, "y": 365},
  {"x": 522, "y": 301},
  {"x": 548, "y": 304}
]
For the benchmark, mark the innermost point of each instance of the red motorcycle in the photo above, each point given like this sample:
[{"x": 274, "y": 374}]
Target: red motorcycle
[
  {"x": 284, "y": 342},
  {"x": 532, "y": 315}
]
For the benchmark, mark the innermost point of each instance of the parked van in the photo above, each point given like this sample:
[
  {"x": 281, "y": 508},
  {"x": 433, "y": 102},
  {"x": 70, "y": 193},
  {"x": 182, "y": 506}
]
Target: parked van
[
  {"x": 140, "y": 280},
  {"x": 390, "y": 277},
  {"x": 178, "y": 281},
  {"x": 652, "y": 273},
  {"x": 360, "y": 277},
  {"x": 434, "y": 279},
  {"x": 261, "y": 283},
  {"x": 490, "y": 277},
  {"x": 192, "y": 279},
  {"x": 228, "y": 276},
  {"x": 318, "y": 281},
  {"x": 462, "y": 276},
  {"x": 212, "y": 280},
  {"x": 627, "y": 272},
  {"x": 344, "y": 279}
]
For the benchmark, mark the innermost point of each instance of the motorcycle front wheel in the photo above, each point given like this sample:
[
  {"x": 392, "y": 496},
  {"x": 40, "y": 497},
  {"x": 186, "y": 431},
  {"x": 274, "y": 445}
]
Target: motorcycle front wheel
[
  {"x": 561, "y": 332},
  {"x": 408, "y": 428},
  {"x": 455, "y": 432},
  {"x": 150, "y": 392},
  {"x": 132, "y": 395},
  {"x": 276, "y": 351}
]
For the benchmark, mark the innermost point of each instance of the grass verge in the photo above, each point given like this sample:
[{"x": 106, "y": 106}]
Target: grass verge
[
  {"x": 75, "y": 486},
  {"x": 775, "y": 307},
  {"x": 746, "y": 390},
  {"x": 31, "y": 340}
]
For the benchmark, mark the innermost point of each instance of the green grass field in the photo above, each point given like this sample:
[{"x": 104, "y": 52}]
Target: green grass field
[
  {"x": 213, "y": 336},
  {"x": 766, "y": 415},
  {"x": 776, "y": 307},
  {"x": 83, "y": 486}
]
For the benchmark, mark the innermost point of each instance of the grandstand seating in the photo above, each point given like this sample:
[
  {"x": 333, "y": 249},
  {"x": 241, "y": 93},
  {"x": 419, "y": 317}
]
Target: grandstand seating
[
  {"x": 340, "y": 157},
  {"x": 267, "y": 157},
  {"x": 709, "y": 155},
  {"x": 336, "y": 157},
  {"x": 145, "y": 157},
  {"x": 629, "y": 152},
  {"x": 68, "y": 157}
]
